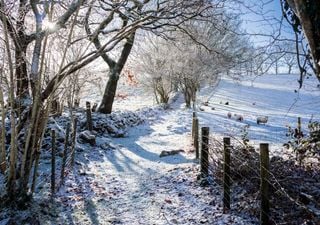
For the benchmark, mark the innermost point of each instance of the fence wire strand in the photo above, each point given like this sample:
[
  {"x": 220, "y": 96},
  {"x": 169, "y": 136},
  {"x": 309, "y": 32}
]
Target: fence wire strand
[{"x": 245, "y": 171}]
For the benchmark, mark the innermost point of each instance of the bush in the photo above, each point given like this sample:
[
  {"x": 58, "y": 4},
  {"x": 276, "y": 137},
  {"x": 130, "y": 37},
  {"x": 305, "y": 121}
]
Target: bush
[{"x": 306, "y": 147}]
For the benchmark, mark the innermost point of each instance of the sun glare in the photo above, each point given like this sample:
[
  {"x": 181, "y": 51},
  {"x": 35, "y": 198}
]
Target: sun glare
[{"x": 50, "y": 26}]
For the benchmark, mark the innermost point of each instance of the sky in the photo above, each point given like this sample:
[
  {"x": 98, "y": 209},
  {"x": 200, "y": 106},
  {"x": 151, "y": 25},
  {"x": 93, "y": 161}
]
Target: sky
[{"x": 262, "y": 18}]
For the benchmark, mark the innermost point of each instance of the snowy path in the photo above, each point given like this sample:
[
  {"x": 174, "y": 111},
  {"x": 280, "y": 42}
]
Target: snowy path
[
  {"x": 128, "y": 170},
  {"x": 132, "y": 185},
  {"x": 122, "y": 191}
]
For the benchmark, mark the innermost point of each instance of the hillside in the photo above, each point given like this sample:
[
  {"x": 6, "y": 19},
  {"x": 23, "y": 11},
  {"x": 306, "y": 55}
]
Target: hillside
[{"x": 275, "y": 96}]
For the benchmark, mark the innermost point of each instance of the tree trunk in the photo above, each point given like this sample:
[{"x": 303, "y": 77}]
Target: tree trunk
[
  {"x": 109, "y": 93},
  {"x": 289, "y": 69},
  {"x": 115, "y": 70},
  {"x": 187, "y": 97},
  {"x": 34, "y": 138},
  {"x": 21, "y": 72},
  {"x": 309, "y": 16},
  {"x": 3, "y": 165}
]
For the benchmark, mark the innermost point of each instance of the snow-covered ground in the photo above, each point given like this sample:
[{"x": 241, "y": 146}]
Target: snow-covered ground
[
  {"x": 128, "y": 97},
  {"x": 128, "y": 183},
  {"x": 269, "y": 95}
]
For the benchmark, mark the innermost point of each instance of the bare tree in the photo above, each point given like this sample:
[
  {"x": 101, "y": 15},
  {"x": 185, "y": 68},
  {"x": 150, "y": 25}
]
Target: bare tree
[
  {"x": 152, "y": 59},
  {"x": 290, "y": 57},
  {"x": 18, "y": 18},
  {"x": 198, "y": 55},
  {"x": 123, "y": 19}
]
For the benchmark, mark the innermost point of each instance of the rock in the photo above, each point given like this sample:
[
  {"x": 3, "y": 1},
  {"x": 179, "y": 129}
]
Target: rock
[
  {"x": 82, "y": 172},
  {"x": 213, "y": 202},
  {"x": 88, "y": 137},
  {"x": 119, "y": 134},
  {"x": 79, "y": 149},
  {"x": 105, "y": 146},
  {"x": 114, "y": 220},
  {"x": 168, "y": 153},
  {"x": 174, "y": 221},
  {"x": 111, "y": 128},
  {"x": 108, "y": 146},
  {"x": 202, "y": 221}
]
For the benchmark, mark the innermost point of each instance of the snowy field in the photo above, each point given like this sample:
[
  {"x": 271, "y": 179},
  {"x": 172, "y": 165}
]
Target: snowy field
[
  {"x": 128, "y": 183},
  {"x": 269, "y": 95}
]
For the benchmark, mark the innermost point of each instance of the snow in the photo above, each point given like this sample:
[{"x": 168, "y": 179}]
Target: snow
[
  {"x": 130, "y": 184},
  {"x": 124, "y": 181},
  {"x": 128, "y": 96},
  {"x": 269, "y": 95}
]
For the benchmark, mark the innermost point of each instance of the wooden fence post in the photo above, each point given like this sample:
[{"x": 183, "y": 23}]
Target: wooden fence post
[
  {"x": 65, "y": 154},
  {"x": 196, "y": 137},
  {"x": 76, "y": 103},
  {"x": 299, "y": 127},
  {"x": 89, "y": 117},
  {"x": 264, "y": 186},
  {"x": 226, "y": 174},
  {"x": 204, "y": 152},
  {"x": 193, "y": 125},
  {"x": 53, "y": 161},
  {"x": 94, "y": 107},
  {"x": 74, "y": 136}
]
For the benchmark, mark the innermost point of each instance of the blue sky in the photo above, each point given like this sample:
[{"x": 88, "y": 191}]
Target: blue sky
[{"x": 262, "y": 17}]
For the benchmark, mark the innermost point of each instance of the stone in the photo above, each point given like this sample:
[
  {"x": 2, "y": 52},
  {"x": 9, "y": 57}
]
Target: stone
[
  {"x": 168, "y": 153},
  {"x": 88, "y": 137}
]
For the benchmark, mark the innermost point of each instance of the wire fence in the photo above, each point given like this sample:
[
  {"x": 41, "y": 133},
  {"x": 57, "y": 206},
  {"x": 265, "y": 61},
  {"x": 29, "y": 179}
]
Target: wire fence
[
  {"x": 273, "y": 189},
  {"x": 60, "y": 167},
  {"x": 67, "y": 159}
]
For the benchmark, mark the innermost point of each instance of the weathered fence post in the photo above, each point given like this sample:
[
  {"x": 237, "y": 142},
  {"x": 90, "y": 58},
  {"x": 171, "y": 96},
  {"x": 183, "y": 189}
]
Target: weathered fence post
[
  {"x": 204, "y": 152},
  {"x": 194, "y": 116},
  {"x": 74, "y": 135},
  {"x": 76, "y": 103},
  {"x": 53, "y": 161},
  {"x": 196, "y": 137},
  {"x": 60, "y": 108},
  {"x": 264, "y": 186},
  {"x": 65, "y": 153},
  {"x": 89, "y": 117},
  {"x": 226, "y": 174},
  {"x": 94, "y": 107},
  {"x": 299, "y": 127}
]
